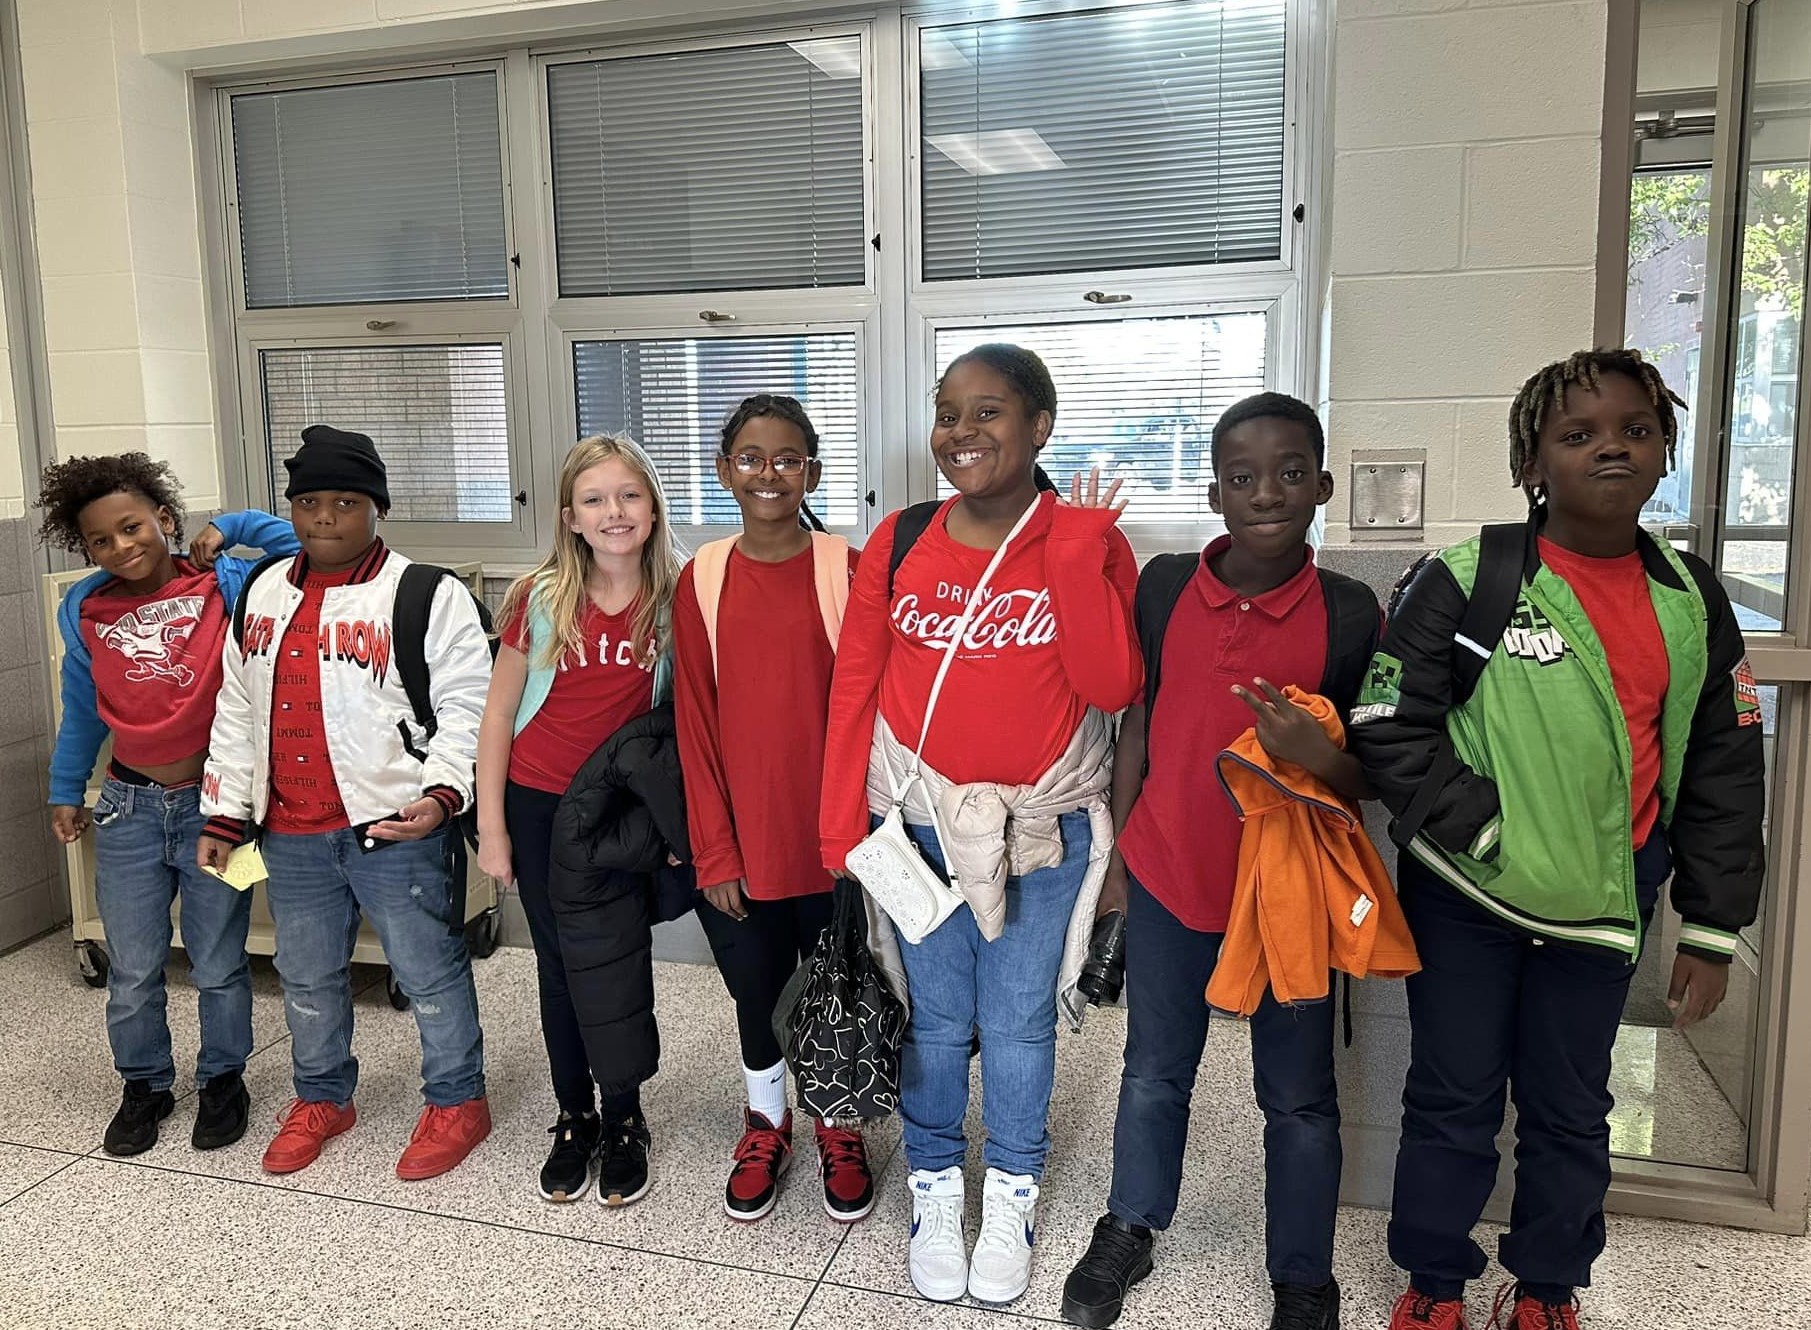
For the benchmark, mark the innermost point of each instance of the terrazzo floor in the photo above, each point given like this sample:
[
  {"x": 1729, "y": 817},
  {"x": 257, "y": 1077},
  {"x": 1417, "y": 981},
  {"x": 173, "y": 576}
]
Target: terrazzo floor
[{"x": 177, "y": 1238}]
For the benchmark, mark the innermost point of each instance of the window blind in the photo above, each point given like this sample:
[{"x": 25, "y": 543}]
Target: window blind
[
  {"x": 1138, "y": 398},
  {"x": 709, "y": 170},
  {"x": 1133, "y": 138},
  {"x": 370, "y": 192},
  {"x": 672, "y": 396},
  {"x": 438, "y": 415}
]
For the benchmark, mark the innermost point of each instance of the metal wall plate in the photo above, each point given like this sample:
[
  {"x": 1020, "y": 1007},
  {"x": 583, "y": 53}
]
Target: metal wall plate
[{"x": 1388, "y": 490}]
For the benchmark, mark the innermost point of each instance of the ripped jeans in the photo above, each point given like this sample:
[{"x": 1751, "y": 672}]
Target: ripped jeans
[{"x": 319, "y": 886}]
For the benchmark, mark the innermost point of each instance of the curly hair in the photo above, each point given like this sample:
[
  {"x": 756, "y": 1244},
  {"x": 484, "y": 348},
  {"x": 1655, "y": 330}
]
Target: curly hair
[
  {"x": 1546, "y": 389},
  {"x": 71, "y": 485}
]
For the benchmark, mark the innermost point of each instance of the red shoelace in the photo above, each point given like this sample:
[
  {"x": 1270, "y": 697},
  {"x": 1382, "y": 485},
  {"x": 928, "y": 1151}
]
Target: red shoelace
[{"x": 1527, "y": 1314}]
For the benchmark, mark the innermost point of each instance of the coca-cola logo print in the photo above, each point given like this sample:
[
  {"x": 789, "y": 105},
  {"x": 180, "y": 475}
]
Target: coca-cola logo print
[{"x": 1005, "y": 620}]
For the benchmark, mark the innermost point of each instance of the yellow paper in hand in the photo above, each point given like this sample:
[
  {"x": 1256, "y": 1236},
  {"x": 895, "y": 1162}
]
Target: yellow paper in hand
[{"x": 244, "y": 868}]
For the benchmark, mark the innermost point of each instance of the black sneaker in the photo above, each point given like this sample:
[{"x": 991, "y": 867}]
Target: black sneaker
[
  {"x": 225, "y": 1106},
  {"x": 1299, "y": 1307},
  {"x": 134, "y": 1127},
  {"x": 1117, "y": 1258},
  {"x": 566, "y": 1176},
  {"x": 622, "y": 1161}
]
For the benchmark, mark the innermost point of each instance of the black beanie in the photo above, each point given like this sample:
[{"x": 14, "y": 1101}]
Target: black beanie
[{"x": 337, "y": 459}]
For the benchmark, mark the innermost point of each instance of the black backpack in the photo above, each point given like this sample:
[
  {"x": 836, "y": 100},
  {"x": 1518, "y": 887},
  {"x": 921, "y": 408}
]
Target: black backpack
[
  {"x": 409, "y": 634},
  {"x": 1502, "y": 562}
]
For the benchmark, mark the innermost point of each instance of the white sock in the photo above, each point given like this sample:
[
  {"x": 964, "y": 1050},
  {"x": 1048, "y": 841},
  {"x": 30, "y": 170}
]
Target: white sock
[{"x": 767, "y": 1091}]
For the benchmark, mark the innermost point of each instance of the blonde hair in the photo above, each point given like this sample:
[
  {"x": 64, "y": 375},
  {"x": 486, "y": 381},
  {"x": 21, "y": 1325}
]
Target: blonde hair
[{"x": 558, "y": 583}]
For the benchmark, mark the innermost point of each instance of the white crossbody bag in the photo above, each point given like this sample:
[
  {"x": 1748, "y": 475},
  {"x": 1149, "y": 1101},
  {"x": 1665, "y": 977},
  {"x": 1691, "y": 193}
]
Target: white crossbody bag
[{"x": 886, "y": 862}]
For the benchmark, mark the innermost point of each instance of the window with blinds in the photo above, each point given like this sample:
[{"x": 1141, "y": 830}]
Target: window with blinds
[
  {"x": 731, "y": 169},
  {"x": 438, "y": 415},
  {"x": 672, "y": 396},
  {"x": 371, "y": 192},
  {"x": 1133, "y": 138},
  {"x": 1138, "y": 398}
]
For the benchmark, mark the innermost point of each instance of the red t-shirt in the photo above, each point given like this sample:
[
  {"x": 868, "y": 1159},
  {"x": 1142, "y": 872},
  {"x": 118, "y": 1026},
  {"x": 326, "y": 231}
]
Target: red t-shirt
[
  {"x": 597, "y": 689},
  {"x": 304, "y": 793},
  {"x": 1054, "y": 637},
  {"x": 1181, "y": 840},
  {"x": 156, "y": 664},
  {"x": 754, "y": 765},
  {"x": 1620, "y": 606}
]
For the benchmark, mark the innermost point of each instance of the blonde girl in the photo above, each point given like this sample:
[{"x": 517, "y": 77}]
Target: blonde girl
[{"x": 582, "y": 637}]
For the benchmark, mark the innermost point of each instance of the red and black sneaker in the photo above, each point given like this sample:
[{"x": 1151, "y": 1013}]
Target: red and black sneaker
[
  {"x": 842, "y": 1154},
  {"x": 1416, "y": 1311},
  {"x": 760, "y": 1161},
  {"x": 1531, "y": 1314}
]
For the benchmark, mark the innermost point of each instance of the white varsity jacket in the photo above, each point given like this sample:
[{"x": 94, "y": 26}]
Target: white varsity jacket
[{"x": 362, "y": 700}]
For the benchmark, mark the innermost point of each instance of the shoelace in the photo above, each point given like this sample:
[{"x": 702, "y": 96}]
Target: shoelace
[
  {"x": 1297, "y": 1308},
  {"x": 435, "y": 1121},
  {"x": 1002, "y": 1226},
  {"x": 759, "y": 1149},
  {"x": 309, "y": 1115},
  {"x": 1113, "y": 1248},
  {"x": 842, "y": 1150},
  {"x": 937, "y": 1219},
  {"x": 1553, "y": 1315}
]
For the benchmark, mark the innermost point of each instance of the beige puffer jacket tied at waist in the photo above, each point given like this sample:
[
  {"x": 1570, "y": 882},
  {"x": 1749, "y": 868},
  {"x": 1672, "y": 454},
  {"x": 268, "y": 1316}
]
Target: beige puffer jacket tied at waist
[{"x": 990, "y": 832}]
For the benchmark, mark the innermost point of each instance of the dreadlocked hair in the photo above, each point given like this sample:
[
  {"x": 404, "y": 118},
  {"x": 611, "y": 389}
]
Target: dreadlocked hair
[
  {"x": 71, "y": 485},
  {"x": 1546, "y": 391}
]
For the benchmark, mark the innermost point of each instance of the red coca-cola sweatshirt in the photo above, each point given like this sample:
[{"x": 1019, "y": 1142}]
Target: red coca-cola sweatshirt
[{"x": 1052, "y": 637}]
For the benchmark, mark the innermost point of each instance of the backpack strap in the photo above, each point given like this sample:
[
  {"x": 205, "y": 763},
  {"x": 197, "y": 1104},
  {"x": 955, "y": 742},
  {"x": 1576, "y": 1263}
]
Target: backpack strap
[
  {"x": 830, "y": 570},
  {"x": 1160, "y": 586},
  {"x": 1497, "y": 585},
  {"x": 245, "y": 591},
  {"x": 1503, "y": 552},
  {"x": 709, "y": 567},
  {"x": 409, "y": 638},
  {"x": 911, "y": 523},
  {"x": 1353, "y": 626}
]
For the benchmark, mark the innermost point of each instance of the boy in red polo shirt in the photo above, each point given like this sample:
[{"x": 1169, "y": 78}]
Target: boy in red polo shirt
[{"x": 1253, "y": 618}]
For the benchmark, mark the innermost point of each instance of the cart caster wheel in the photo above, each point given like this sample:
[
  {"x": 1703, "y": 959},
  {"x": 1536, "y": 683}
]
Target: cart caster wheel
[
  {"x": 481, "y": 934},
  {"x": 393, "y": 991},
  {"x": 91, "y": 960}
]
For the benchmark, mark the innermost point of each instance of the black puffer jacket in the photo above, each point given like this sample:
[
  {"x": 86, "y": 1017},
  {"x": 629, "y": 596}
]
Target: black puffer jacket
[{"x": 619, "y": 819}]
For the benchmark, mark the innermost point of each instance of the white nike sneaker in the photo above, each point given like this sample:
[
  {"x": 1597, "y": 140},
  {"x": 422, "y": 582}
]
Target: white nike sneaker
[
  {"x": 939, "y": 1259},
  {"x": 1002, "y": 1264}
]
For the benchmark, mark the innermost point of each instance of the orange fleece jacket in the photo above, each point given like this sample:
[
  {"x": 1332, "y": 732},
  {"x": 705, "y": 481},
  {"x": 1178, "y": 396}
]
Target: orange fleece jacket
[{"x": 1311, "y": 894}]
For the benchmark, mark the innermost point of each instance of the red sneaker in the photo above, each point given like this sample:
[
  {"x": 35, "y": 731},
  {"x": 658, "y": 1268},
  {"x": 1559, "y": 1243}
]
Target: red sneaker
[
  {"x": 306, "y": 1125},
  {"x": 760, "y": 1160},
  {"x": 1529, "y": 1314},
  {"x": 1417, "y": 1311},
  {"x": 443, "y": 1138},
  {"x": 848, "y": 1185}
]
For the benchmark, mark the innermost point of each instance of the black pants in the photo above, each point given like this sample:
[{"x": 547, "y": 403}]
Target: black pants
[
  {"x": 528, "y": 815},
  {"x": 1168, "y": 966},
  {"x": 1494, "y": 1009},
  {"x": 756, "y": 957}
]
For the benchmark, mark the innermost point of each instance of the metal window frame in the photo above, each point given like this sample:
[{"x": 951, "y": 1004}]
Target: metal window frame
[
  {"x": 1774, "y": 1192},
  {"x": 375, "y": 324},
  {"x": 563, "y": 340}
]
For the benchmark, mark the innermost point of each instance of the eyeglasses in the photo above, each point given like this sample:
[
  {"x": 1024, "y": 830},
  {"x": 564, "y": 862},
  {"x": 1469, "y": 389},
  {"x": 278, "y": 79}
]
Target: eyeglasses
[{"x": 753, "y": 464}]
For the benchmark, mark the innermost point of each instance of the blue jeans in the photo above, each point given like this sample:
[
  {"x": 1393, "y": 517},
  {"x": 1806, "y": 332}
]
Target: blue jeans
[
  {"x": 1167, "y": 968},
  {"x": 1007, "y": 987},
  {"x": 319, "y": 885},
  {"x": 1494, "y": 1009},
  {"x": 144, "y": 849}
]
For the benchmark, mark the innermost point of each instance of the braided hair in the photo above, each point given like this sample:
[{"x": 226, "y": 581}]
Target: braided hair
[
  {"x": 778, "y": 407},
  {"x": 1546, "y": 391}
]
